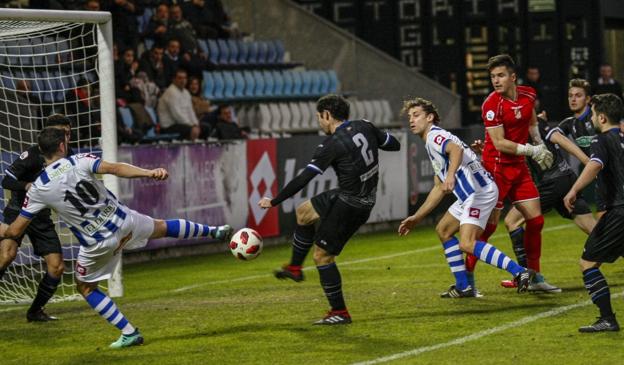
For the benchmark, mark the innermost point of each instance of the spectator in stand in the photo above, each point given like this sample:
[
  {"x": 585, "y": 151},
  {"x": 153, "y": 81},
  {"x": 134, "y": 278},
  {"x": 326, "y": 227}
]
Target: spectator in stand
[
  {"x": 125, "y": 24},
  {"x": 92, "y": 5},
  {"x": 157, "y": 27},
  {"x": 532, "y": 79},
  {"x": 180, "y": 29},
  {"x": 153, "y": 65},
  {"x": 201, "y": 105},
  {"x": 226, "y": 127},
  {"x": 209, "y": 19},
  {"x": 172, "y": 59},
  {"x": 82, "y": 107},
  {"x": 175, "y": 109},
  {"x": 125, "y": 69},
  {"x": 606, "y": 83},
  {"x": 149, "y": 90}
]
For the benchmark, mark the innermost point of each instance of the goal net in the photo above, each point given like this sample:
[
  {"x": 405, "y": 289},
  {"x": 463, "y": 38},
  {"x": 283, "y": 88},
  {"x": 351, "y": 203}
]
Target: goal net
[{"x": 54, "y": 62}]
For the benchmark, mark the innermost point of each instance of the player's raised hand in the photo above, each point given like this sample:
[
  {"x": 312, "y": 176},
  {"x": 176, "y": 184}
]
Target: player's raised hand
[
  {"x": 265, "y": 203},
  {"x": 449, "y": 184},
  {"x": 477, "y": 146},
  {"x": 407, "y": 224},
  {"x": 159, "y": 174},
  {"x": 569, "y": 200}
]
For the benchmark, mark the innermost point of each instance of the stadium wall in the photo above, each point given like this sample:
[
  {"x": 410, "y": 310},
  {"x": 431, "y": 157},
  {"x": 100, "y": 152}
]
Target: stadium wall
[{"x": 362, "y": 69}]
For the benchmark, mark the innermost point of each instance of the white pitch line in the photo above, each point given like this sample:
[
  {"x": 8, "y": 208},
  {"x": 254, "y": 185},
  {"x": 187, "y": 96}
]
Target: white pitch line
[
  {"x": 369, "y": 259},
  {"x": 478, "y": 335}
]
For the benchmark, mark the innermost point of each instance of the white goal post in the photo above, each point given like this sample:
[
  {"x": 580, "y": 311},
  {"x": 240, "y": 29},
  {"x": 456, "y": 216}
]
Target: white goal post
[{"x": 58, "y": 55}]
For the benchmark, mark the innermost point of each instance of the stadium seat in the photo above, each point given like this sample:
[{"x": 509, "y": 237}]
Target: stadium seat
[
  {"x": 209, "y": 85},
  {"x": 280, "y": 51},
  {"x": 262, "y": 53},
  {"x": 265, "y": 117},
  {"x": 228, "y": 91},
  {"x": 334, "y": 84},
  {"x": 276, "y": 118},
  {"x": 243, "y": 52},
  {"x": 379, "y": 112},
  {"x": 388, "y": 116},
  {"x": 304, "y": 110},
  {"x": 250, "y": 84},
  {"x": 315, "y": 83},
  {"x": 233, "y": 48},
  {"x": 25, "y": 48},
  {"x": 271, "y": 58},
  {"x": 12, "y": 52},
  {"x": 252, "y": 57},
  {"x": 38, "y": 51},
  {"x": 323, "y": 82},
  {"x": 224, "y": 52},
  {"x": 358, "y": 110},
  {"x": 269, "y": 83},
  {"x": 259, "y": 89},
  {"x": 213, "y": 51},
  {"x": 297, "y": 83},
  {"x": 219, "y": 83},
  {"x": 312, "y": 122},
  {"x": 239, "y": 82},
  {"x": 203, "y": 46},
  {"x": 286, "y": 116},
  {"x": 295, "y": 112},
  {"x": 278, "y": 80},
  {"x": 306, "y": 83},
  {"x": 288, "y": 83}
]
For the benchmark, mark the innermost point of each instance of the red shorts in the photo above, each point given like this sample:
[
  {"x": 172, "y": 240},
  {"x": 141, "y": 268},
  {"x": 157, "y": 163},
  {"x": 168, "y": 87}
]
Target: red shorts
[{"x": 514, "y": 182}]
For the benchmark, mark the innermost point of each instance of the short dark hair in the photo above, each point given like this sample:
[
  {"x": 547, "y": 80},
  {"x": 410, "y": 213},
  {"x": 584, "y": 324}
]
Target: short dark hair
[
  {"x": 56, "y": 120},
  {"x": 427, "y": 106},
  {"x": 501, "y": 60},
  {"x": 610, "y": 105},
  {"x": 336, "y": 105},
  {"x": 581, "y": 84},
  {"x": 49, "y": 140}
]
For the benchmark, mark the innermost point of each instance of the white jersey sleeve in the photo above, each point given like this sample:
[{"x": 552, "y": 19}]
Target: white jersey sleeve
[
  {"x": 437, "y": 140},
  {"x": 87, "y": 162}
]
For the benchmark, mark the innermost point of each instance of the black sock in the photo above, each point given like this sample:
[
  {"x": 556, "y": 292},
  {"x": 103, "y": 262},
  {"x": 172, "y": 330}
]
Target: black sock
[
  {"x": 303, "y": 238},
  {"x": 598, "y": 290},
  {"x": 332, "y": 285},
  {"x": 517, "y": 242},
  {"x": 47, "y": 287}
]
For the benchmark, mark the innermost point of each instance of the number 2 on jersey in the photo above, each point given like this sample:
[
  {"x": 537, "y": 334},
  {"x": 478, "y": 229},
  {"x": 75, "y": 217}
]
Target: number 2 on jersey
[{"x": 360, "y": 141}]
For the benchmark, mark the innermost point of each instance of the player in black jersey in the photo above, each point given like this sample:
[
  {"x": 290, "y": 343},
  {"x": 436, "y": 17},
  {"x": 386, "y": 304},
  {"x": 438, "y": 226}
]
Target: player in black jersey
[
  {"x": 606, "y": 241},
  {"x": 45, "y": 241},
  {"x": 351, "y": 148},
  {"x": 552, "y": 185}
]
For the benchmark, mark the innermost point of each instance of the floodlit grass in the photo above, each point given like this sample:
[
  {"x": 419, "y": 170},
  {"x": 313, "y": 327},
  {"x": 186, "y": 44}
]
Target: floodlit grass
[{"x": 237, "y": 313}]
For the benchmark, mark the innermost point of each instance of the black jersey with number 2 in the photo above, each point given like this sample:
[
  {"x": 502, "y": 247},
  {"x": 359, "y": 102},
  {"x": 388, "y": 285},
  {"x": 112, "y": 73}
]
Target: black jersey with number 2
[
  {"x": 608, "y": 150},
  {"x": 353, "y": 153}
]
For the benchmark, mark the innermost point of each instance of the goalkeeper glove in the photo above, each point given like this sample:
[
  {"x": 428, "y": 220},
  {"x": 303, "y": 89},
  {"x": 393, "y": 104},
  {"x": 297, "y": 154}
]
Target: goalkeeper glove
[{"x": 539, "y": 154}]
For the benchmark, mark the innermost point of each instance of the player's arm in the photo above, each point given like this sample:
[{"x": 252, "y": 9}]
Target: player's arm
[
  {"x": 570, "y": 147},
  {"x": 10, "y": 182},
  {"x": 14, "y": 175},
  {"x": 121, "y": 169},
  {"x": 588, "y": 175},
  {"x": 434, "y": 198},
  {"x": 290, "y": 189},
  {"x": 455, "y": 154},
  {"x": 390, "y": 143},
  {"x": 15, "y": 229}
]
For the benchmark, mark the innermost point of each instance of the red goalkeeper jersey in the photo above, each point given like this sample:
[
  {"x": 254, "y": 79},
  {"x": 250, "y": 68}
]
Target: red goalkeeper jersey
[{"x": 513, "y": 116}]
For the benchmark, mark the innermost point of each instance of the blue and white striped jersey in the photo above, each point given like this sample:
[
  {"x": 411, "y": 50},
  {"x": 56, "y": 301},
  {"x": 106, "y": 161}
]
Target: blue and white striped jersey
[
  {"x": 69, "y": 186},
  {"x": 470, "y": 177}
]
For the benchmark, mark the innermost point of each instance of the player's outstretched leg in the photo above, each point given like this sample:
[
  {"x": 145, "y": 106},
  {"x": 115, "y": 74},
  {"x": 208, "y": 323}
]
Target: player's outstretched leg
[
  {"x": 493, "y": 256},
  {"x": 455, "y": 260},
  {"x": 598, "y": 290},
  {"x": 181, "y": 228},
  {"x": 303, "y": 239},
  {"x": 471, "y": 260},
  {"x": 107, "y": 309}
]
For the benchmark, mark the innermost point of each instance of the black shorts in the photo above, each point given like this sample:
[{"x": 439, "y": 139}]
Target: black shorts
[
  {"x": 339, "y": 221},
  {"x": 552, "y": 193},
  {"x": 606, "y": 242},
  {"x": 40, "y": 231}
]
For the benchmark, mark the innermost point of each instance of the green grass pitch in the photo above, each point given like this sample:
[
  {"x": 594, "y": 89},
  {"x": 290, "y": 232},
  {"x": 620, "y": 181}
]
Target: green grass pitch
[{"x": 235, "y": 312}]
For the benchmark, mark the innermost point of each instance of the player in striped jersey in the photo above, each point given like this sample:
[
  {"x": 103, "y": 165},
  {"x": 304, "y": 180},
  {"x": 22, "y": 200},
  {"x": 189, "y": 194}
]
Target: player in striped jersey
[
  {"x": 458, "y": 170},
  {"x": 100, "y": 222}
]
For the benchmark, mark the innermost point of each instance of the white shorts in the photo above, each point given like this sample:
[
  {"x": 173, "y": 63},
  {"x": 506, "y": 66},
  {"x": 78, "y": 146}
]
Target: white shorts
[
  {"x": 477, "y": 208},
  {"x": 97, "y": 262}
]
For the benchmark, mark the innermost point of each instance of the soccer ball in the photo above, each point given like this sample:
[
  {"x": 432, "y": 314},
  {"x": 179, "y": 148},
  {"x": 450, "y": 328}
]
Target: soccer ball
[{"x": 246, "y": 244}]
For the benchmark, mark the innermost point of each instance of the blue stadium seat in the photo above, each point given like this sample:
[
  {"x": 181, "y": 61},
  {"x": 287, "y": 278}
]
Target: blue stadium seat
[
  {"x": 323, "y": 82},
  {"x": 250, "y": 84},
  {"x": 278, "y": 79},
  {"x": 219, "y": 83},
  {"x": 126, "y": 117},
  {"x": 233, "y": 47},
  {"x": 243, "y": 52},
  {"x": 38, "y": 51},
  {"x": 315, "y": 83},
  {"x": 209, "y": 85},
  {"x": 306, "y": 83},
  {"x": 262, "y": 53},
  {"x": 224, "y": 52},
  {"x": 239, "y": 82},
  {"x": 288, "y": 83},
  {"x": 279, "y": 50},
  {"x": 203, "y": 46},
  {"x": 259, "y": 90},
  {"x": 269, "y": 83},
  {"x": 213, "y": 51},
  {"x": 297, "y": 83},
  {"x": 25, "y": 50},
  {"x": 271, "y": 53},
  {"x": 230, "y": 85},
  {"x": 334, "y": 84},
  {"x": 12, "y": 51},
  {"x": 252, "y": 57}
]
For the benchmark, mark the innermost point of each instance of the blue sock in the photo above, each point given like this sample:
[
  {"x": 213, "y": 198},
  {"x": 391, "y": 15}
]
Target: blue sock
[
  {"x": 493, "y": 256},
  {"x": 181, "y": 228},
  {"x": 455, "y": 260},
  {"x": 107, "y": 309}
]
